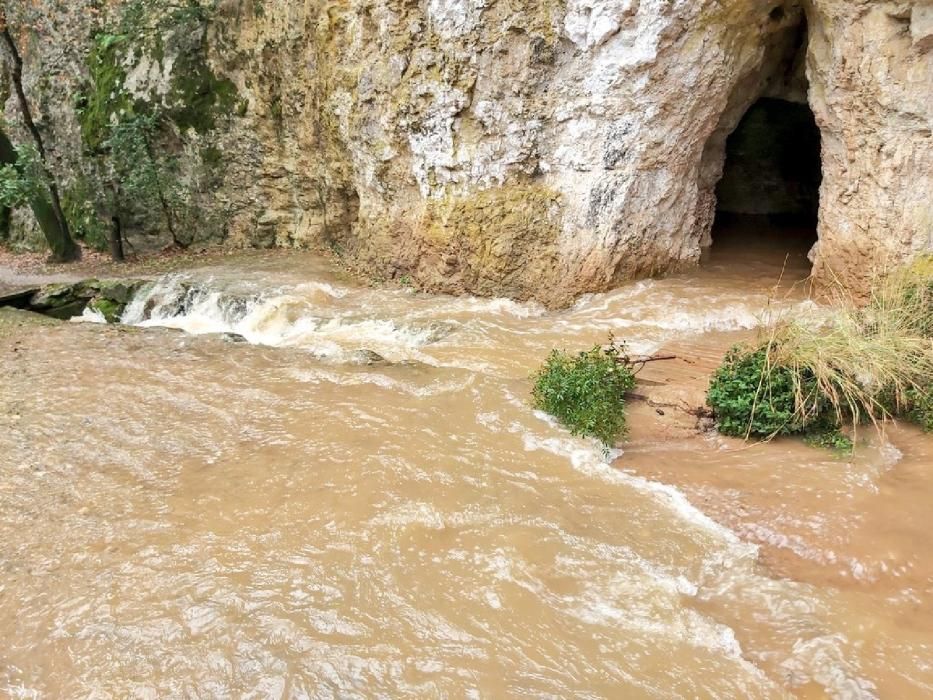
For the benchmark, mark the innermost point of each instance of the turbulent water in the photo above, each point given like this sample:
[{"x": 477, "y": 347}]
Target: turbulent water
[{"x": 282, "y": 484}]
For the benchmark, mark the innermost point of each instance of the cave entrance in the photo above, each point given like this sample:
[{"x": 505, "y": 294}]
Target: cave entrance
[
  {"x": 768, "y": 197},
  {"x": 767, "y": 200}
]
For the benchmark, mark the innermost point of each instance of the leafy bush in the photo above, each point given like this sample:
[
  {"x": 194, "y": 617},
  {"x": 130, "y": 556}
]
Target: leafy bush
[
  {"x": 919, "y": 407},
  {"x": 586, "y": 392},
  {"x": 751, "y": 396}
]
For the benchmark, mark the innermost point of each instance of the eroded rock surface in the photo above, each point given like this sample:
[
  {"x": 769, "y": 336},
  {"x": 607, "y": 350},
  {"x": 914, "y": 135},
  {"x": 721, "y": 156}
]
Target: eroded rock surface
[
  {"x": 529, "y": 149},
  {"x": 67, "y": 300}
]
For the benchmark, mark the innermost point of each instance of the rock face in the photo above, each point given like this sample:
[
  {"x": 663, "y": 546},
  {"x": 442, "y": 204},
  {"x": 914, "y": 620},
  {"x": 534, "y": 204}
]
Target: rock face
[
  {"x": 871, "y": 75},
  {"x": 535, "y": 149},
  {"x": 66, "y": 300}
]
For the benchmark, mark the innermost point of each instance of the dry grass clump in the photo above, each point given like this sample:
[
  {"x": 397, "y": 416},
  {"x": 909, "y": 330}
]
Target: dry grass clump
[{"x": 856, "y": 363}]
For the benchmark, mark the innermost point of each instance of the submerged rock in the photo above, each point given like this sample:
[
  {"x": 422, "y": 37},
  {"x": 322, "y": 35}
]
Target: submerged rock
[
  {"x": 10, "y": 316},
  {"x": 438, "y": 330},
  {"x": 367, "y": 358},
  {"x": 118, "y": 291}
]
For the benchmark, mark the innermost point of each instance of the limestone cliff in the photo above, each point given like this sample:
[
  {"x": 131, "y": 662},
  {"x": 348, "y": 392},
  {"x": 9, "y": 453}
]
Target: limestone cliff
[{"x": 532, "y": 149}]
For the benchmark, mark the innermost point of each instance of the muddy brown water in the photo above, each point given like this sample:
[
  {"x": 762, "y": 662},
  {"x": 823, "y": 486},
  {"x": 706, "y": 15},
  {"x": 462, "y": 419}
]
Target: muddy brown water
[{"x": 183, "y": 515}]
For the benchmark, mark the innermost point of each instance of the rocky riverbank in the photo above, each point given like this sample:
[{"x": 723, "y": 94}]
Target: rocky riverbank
[{"x": 536, "y": 150}]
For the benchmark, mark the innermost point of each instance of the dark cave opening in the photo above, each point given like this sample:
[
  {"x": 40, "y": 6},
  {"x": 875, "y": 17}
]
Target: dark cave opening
[{"x": 768, "y": 197}]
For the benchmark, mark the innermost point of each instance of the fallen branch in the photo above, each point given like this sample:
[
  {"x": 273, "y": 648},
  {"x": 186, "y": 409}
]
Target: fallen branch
[
  {"x": 638, "y": 364},
  {"x": 653, "y": 358}
]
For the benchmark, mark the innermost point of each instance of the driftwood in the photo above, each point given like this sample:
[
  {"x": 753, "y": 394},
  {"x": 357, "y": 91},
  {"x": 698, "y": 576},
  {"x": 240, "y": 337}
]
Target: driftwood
[
  {"x": 638, "y": 363},
  {"x": 652, "y": 358},
  {"x": 643, "y": 359}
]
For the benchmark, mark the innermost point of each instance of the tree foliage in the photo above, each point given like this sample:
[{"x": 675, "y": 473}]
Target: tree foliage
[{"x": 22, "y": 180}]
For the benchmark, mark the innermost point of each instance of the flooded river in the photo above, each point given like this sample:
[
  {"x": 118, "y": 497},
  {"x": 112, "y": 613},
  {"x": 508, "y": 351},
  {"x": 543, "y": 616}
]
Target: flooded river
[{"x": 185, "y": 514}]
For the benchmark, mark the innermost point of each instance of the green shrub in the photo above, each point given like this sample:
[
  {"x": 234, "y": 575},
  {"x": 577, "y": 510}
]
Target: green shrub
[
  {"x": 832, "y": 439},
  {"x": 913, "y": 288},
  {"x": 586, "y": 392},
  {"x": 920, "y": 407},
  {"x": 752, "y": 397}
]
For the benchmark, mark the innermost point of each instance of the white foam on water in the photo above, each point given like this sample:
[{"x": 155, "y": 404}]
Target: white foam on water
[
  {"x": 595, "y": 303},
  {"x": 411, "y": 513},
  {"x": 822, "y": 660},
  {"x": 21, "y": 692},
  {"x": 592, "y": 461},
  {"x": 89, "y": 315},
  {"x": 497, "y": 306},
  {"x": 716, "y": 316},
  {"x": 731, "y": 570},
  {"x": 591, "y": 458},
  {"x": 282, "y": 320},
  {"x": 328, "y": 289},
  {"x": 434, "y": 388}
]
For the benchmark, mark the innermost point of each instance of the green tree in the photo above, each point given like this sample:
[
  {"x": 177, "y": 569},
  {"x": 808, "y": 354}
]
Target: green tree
[
  {"x": 48, "y": 211},
  {"x": 22, "y": 182}
]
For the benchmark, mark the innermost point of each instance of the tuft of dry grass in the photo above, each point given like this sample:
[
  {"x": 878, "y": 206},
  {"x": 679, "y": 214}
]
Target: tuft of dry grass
[{"x": 866, "y": 362}]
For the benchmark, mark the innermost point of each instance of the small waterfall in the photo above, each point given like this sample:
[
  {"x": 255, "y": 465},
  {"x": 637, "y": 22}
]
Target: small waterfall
[{"x": 303, "y": 317}]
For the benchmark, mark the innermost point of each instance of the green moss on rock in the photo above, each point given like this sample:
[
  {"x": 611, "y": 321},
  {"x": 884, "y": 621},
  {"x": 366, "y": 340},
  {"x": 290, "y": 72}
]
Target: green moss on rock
[
  {"x": 111, "y": 310},
  {"x": 106, "y": 99},
  {"x": 198, "y": 98},
  {"x": 63, "y": 301}
]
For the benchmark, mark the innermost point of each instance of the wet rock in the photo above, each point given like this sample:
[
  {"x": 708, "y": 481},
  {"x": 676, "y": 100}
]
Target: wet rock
[
  {"x": 119, "y": 291},
  {"x": 438, "y": 330},
  {"x": 233, "y": 338},
  {"x": 109, "y": 309},
  {"x": 66, "y": 300},
  {"x": 17, "y": 298},
  {"x": 367, "y": 358},
  {"x": 61, "y": 301},
  {"x": 53, "y": 296},
  {"x": 173, "y": 302}
]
